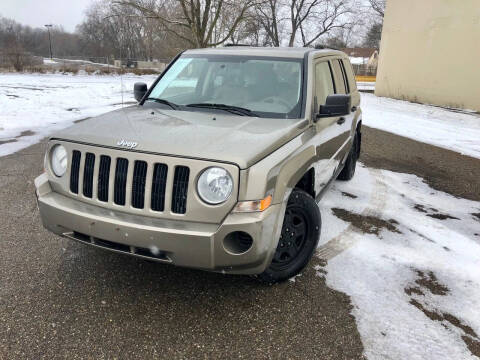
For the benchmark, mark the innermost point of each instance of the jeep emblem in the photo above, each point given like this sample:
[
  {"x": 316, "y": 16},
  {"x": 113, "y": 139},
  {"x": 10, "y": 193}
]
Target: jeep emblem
[{"x": 127, "y": 144}]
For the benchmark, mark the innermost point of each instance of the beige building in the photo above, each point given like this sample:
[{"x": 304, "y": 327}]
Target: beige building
[{"x": 430, "y": 52}]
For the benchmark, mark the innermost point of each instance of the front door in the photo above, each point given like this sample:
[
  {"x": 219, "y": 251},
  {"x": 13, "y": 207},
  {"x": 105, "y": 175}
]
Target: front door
[{"x": 327, "y": 130}]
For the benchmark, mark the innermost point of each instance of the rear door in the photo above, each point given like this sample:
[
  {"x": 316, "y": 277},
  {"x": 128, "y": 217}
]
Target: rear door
[{"x": 344, "y": 123}]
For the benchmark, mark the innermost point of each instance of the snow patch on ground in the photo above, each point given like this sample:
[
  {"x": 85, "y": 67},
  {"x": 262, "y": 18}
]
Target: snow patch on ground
[
  {"x": 36, "y": 105},
  {"x": 449, "y": 129},
  {"x": 49, "y": 61},
  {"x": 409, "y": 258}
]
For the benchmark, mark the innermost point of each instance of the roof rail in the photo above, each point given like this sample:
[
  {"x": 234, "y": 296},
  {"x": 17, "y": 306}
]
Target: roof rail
[
  {"x": 230, "y": 45},
  {"x": 322, "y": 47}
]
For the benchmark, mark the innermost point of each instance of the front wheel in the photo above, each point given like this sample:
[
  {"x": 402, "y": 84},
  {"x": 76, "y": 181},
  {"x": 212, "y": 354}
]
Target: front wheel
[{"x": 298, "y": 239}]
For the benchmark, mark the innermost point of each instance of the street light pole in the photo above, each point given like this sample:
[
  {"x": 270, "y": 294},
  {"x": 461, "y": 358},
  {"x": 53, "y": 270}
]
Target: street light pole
[{"x": 48, "y": 26}]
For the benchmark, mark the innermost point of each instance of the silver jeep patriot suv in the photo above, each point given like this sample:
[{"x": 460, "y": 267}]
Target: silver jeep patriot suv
[{"x": 219, "y": 166}]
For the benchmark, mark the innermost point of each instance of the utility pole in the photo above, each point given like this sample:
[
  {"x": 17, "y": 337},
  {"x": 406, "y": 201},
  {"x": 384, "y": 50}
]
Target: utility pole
[{"x": 48, "y": 26}]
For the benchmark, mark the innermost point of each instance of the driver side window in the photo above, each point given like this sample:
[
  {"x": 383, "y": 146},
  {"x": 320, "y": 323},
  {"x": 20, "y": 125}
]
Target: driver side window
[{"x": 324, "y": 85}]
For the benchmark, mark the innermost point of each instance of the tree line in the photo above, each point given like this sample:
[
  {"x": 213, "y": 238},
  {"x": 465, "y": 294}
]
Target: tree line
[{"x": 159, "y": 29}]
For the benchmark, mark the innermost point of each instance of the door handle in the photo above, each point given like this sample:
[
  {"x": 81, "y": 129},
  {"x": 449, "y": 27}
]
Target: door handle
[
  {"x": 354, "y": 108},
  {"x": 341, "y": 121}
]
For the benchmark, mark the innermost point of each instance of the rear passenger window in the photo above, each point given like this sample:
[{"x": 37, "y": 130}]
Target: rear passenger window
[
  {"x": 350, "y": 75},
  {"x": 339, "y": 78},
  {"x": 323, "y": 82}
]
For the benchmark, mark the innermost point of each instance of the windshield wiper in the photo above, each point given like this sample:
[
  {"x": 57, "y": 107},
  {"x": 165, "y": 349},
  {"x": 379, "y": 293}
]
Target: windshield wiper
[
  {"x": 163, "y": 101},
  {"x": 230, "y": 108}
]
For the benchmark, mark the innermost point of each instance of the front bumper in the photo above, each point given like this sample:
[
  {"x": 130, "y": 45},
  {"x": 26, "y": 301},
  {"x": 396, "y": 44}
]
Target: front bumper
[{"x": 183, "y": 243}]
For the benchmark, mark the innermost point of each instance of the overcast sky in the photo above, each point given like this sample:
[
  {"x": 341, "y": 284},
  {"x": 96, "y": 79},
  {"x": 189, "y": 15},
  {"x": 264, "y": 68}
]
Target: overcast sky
[{"x": 36, "y": 13}]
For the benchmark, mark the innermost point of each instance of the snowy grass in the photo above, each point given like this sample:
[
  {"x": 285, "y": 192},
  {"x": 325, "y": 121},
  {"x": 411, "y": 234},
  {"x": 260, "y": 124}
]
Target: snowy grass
[
  {"x": 43, "y": 103},
  {"x": 409, "y": 257},
  {"x": 36, "y": 105},
  {"x": 448, "y": 129}
]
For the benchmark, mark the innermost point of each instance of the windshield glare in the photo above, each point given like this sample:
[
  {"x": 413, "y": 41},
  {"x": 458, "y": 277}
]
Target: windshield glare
[{"x": 270, "y": 87}]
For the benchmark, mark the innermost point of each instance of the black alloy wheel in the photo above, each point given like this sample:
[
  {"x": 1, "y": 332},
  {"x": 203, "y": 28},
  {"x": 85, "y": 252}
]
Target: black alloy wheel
[{"x": 298, "y": 239}]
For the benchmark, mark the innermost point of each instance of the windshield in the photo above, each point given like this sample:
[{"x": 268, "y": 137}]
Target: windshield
[{"x": 268, "y": 87}]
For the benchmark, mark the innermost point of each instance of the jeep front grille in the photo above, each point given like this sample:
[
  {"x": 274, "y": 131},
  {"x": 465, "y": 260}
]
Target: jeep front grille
[{"x": 140, "y": 182}]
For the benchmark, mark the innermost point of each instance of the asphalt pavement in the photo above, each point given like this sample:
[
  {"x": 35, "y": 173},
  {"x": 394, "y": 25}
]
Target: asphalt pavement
[{"x": 60, "y": 299}]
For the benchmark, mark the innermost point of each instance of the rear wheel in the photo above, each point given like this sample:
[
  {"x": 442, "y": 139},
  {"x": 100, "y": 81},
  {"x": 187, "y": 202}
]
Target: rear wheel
[
  {"x": 351, "y": 163},
  {"x": 298, "y": 239}
]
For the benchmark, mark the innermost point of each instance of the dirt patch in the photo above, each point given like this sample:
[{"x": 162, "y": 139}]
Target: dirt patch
[
  {"x": 25, "y": 133},
  {"x": 7, "y": 141},
  {"x": 442, "y": 216},
  {"x": 457, "y": 323},
  {"x": 351, "y": 196},
  {"x": 414, "y": 290},
  {"x": 430, "y": 282},
  {"x": 80, "y": 120},
  {"x": 422, "y": 236},
  {"x": 438, "y": 167},
  {"x": 367, "y": 224},
  {"x": 420, "y": 208},
  {"x": 432, "y": 315},
  {"x": 472, "y": 345}
]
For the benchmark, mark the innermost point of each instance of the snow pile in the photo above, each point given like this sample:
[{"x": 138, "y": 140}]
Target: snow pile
[
  {"x": 35, "y": 105},
  {"x": 454, "y": 130},
  {"x": 409, "y": 258}
]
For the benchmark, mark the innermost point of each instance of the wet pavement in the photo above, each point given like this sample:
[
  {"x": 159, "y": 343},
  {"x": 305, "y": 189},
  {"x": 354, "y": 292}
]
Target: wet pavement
[{"x": 60, "y": 299}]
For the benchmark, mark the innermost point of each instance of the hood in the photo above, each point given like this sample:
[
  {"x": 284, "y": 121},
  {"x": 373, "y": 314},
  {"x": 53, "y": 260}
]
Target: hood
[{"x": 219, "y": 137}]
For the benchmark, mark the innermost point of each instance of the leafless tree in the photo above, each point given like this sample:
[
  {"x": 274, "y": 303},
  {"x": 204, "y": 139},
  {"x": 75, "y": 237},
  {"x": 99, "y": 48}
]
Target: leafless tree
[
  {"x": 378, "y": 6},
  {"x": 201, "y": 23},
  {"x": 319, "y": 18},
  {"x": 268, "y": 14},
  {"x": 308, "y": 20}
]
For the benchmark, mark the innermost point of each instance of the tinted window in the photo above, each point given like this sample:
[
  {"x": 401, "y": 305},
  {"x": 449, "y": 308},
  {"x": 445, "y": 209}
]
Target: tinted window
[
  {"x": 323, "y": 82},
  {"x": 339, "y": 80}
]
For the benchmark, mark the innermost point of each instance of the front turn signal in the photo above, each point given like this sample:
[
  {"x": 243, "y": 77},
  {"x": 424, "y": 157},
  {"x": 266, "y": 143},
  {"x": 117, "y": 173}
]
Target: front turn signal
[{"x": 253, "y": 206}]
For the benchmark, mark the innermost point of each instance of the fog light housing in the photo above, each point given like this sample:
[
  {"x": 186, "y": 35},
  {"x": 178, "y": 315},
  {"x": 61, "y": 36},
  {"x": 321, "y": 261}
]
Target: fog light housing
[{"x": 237, "y": 242}]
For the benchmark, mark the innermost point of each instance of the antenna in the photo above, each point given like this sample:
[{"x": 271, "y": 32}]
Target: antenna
[
  {"x": 121, "y": 69},
  {"x": 121, "y": 42}
]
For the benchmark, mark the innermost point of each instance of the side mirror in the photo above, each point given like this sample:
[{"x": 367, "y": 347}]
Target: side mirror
[
  {"x": 139, "y": 90},
  {"x": 336, "y": 105}
]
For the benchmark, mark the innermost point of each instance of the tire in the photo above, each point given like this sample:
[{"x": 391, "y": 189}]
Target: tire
[
  {"x": 298, "y": 240},
  {"x": 351, "y": 163}
]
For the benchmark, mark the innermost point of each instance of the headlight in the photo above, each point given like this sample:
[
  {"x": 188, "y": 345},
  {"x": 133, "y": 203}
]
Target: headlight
[
  {"x": 215, "y": 185},
  {"x": 58, "y": 160}
]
